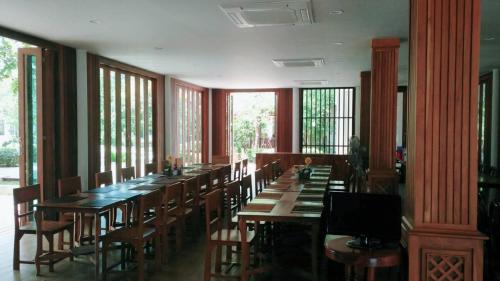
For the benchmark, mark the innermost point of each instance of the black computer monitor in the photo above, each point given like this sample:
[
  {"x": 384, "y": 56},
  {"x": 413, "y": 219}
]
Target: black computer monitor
[{"x": 373, "y": 217}]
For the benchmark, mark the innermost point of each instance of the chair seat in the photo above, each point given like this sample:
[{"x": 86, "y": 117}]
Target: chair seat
[
  {"x": 47, "y": 227},
  {"x": 129, "y": 233},
  {"x": 234, "y": 236}
]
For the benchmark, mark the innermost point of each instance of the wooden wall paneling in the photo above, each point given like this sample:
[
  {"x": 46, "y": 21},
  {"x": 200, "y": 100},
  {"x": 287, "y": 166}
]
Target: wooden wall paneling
[
  {"x": 284, "y": 120},
  {"x": 219, "y": 122},
  {"x": 384, "y": 78},
  {"x": 118, "y": 119},
  {"x": 66, "y": 111},
  {"x": 137, "y": 107},
  {"x": 364, "y": 130},
  {"x": 441, "y": 197},
  {"x": 46, "y": 146},
  {"x": 128, "y": 120},
  {"x": 107, "y": 118},
  {"x": 159, "y": 121},
  {"x": 94, "y": 110}
]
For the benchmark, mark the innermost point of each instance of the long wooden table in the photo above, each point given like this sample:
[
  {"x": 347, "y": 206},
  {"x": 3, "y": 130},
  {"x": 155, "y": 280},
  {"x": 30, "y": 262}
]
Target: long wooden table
[
  {"x": 97, "y": 201},
  {"x": 287, "y": 200}
]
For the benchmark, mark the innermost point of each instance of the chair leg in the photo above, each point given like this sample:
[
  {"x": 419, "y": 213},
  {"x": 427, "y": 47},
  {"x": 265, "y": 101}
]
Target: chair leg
[
  {"x": 71, "y": 240},
  {"x": 164, "y": 243},
  {"x": 229, "y": 253},
  {"x": 104, "y": 260},
  {"x": 122, "y": 256},
  {"x": 51, "y": 250},
  {"x": 17, "y": 246},
  {"x": 218, "y": 258},
  {"x": 178, "y": 235},
  {"x": 158, "y": 253},
  {"x": 208, "y": 262},
  {"x": 60, "y": 243},
  {"x": 140, "y": 262}
]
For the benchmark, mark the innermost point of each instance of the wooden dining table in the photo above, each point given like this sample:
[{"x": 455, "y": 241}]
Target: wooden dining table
[
  {"x": 97, "y": 201},
  {"x": 287, "y": 199}
]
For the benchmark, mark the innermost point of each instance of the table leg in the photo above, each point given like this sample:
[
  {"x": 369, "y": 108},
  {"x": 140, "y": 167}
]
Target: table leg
[
  {"x": 97, "y": 220},
  {"x": 314, "y": 253},
  {"x": 39, "y": 240},
  {"x": 370, "y": 274},
  {"x": 245, "y": 252}
]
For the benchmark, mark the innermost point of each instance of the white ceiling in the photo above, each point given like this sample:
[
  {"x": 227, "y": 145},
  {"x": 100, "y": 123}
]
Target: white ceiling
[{"x": 202, "y": 46}]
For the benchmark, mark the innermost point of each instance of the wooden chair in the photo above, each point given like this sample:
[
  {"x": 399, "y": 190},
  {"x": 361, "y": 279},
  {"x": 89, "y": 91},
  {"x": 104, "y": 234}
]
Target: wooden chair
[
  {"x": 23, "y": 225},
  {"x": 218, "y": 236},
  {"x": 127, "y": 174},
  {"x": 73, "y": 186},
  {"x": 267, "y": 174},
  {"x": 190, "y": 202},
  {"x": 149, "y": 168},
  {"x": 225, "y": 175},
  {"x": 237, "y": 171},
  {"x": 246, "y": 189},
  {"x": 104, "y": 178},
  {"x": 244, "y": 167},
  {"x": 276, "y": 169},
  {"x": 214, "y": 180},
  {"x": 220, "y": 159},
  {"x": 259, "y": 181},
  {"x": 173, "y": 215},
  {"x": 339, "y": 179},
  {"x": 144, "y": 229}
]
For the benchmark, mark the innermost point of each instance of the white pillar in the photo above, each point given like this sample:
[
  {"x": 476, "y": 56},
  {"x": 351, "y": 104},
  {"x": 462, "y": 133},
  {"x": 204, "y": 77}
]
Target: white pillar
[
  {"x": 295, "y": 121},
  {"x": 82, "y": 116},
  {"x": 495, "y": 122},
  {"x": 169, "y": 118}
]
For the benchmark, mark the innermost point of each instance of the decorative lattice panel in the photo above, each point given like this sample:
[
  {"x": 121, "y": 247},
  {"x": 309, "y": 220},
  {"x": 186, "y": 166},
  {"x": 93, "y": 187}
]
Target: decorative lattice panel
[{"x": 445, "y": 267}]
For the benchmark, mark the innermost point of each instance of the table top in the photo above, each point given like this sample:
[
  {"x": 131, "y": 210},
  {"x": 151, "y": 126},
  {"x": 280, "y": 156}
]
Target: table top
[
  {"x": 288, "y": 199},
  {"x": 337, "y": 250},
  {"x": 98, "y": 199}
]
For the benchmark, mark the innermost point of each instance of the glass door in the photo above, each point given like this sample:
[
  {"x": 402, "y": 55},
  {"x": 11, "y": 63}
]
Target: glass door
[{"x": 30, "y": 94}]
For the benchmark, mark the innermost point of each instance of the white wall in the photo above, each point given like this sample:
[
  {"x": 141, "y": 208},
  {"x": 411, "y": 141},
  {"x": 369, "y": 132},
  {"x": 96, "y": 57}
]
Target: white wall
[
  {"x": 82, "y": 121},
  {"x": 169, "y": 145}
]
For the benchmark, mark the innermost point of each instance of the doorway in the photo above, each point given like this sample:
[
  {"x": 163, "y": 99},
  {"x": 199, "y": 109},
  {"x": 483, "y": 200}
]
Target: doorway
[{"x": 252, "y": 125}]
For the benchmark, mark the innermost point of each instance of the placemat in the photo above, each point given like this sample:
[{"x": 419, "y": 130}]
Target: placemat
[
  {"x": 306, "y": 209},
  {"x": 270, "y": 195},
  {"x": 66, "y": 199},
  {"x": 99, "y": 190},
  {"x": 165, "y": 181},
  {"x": 310, "y": 198},
  {"x": 258, "y": 208},
  {"x": 121, "y": 194},
  {"x": 147, "y": 187},
  {"x": 312, "y": 191},
  {"x": 98, "y": 203}
]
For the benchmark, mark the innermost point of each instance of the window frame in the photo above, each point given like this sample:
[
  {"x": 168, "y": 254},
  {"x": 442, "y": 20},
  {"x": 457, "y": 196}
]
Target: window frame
[{"x": 301, "y": 116}]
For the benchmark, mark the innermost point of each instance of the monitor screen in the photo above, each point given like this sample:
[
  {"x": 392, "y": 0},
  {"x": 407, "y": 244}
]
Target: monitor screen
[{"x": 373, "y": 215}]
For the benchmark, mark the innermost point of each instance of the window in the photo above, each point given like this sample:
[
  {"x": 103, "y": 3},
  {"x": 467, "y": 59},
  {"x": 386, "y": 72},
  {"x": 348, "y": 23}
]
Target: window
[
  {"x": 126, "y": 120},
  {"x": 484, "y": 121},
  {"x": 188, "y": 143},
  {"x": 327, "y": 120},
  {"x": 2, "y": 127}
]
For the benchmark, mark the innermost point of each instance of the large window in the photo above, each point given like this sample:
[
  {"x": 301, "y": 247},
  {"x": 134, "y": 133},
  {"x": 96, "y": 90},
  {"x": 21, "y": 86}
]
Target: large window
[
  {"x": 327, "y": 120},
  {"x": 188, "y": 142},
  {"x": 484, "y": 121},
  {"x": 126, "y": 120}
]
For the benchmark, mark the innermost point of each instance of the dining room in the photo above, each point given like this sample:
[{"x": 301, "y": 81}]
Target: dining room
[{"x": 250, "y": 140}]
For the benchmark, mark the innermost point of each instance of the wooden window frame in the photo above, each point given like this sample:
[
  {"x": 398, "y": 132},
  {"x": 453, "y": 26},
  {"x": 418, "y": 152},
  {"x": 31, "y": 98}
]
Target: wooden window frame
[
  {"x": 94, "y": 63},
  {"x": 301, "y": 109}
]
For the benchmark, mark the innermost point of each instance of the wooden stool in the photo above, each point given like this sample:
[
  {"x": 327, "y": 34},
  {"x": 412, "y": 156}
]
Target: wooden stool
[{"x": 337, "y": 250}]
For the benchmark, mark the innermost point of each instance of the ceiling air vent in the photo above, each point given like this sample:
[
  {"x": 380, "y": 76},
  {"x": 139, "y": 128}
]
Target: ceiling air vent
[
  {"x": 311, "y": 83},
  {"x": 315, "y": 62},
  {"x": 252, "y": 14}
]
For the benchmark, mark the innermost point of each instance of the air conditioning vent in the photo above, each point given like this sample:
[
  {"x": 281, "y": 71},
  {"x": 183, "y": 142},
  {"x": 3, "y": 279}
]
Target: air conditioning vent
[
  {"x": 315, "y": 62},
  {"x": 253, "y": 14},
  {"x": 311, "y": 83}
]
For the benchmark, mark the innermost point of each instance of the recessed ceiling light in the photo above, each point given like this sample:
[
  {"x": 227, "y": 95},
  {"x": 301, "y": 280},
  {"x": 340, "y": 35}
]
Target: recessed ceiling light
[
  {"x": 336, "y": 12},
  {"x": 338, "y": 43},
  {"x": 489, "y": 38},
  {"x": 158, "y": 48},
  {"x": 95, "y": 21}
]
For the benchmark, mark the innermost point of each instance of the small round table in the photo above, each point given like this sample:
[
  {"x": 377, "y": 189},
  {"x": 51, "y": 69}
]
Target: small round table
[{"x": 337, "y": 250}]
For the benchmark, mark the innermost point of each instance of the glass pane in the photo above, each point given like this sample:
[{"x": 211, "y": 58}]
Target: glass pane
[{"x": 31, "y": 121}]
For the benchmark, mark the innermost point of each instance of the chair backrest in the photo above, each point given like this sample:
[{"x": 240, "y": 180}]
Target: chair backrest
[
  {"x": 69, "y": 186},
  {"x": 225, "y": 174},
  {"x": 23, "y": 195},
  {"x": 203, "y": 182},
  {"x": 214, "y": 180},
  {"x": 127, "y": 174},
  {"x": 220, "y": 159},
  {"x": 244, "y": 166},
  {"x": 276, "y": 169},
  {"x": 147, "y": 202},
  {"x": 173, "y": 200},
  {"x": 246, "y": 189},
  {"x": 104, "y": 178},
  {"x": 149, "y": 168},
  {"x": 233, "y": 199},
  {"x": 259, "y": 181},
  {"x": 213, "y": 213},
  {"x": 341, "y": 171},
  {"x": 237, "y": 171},
  {"x": 267, "y": 174},
  {"x": 191, "y": 193}
]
